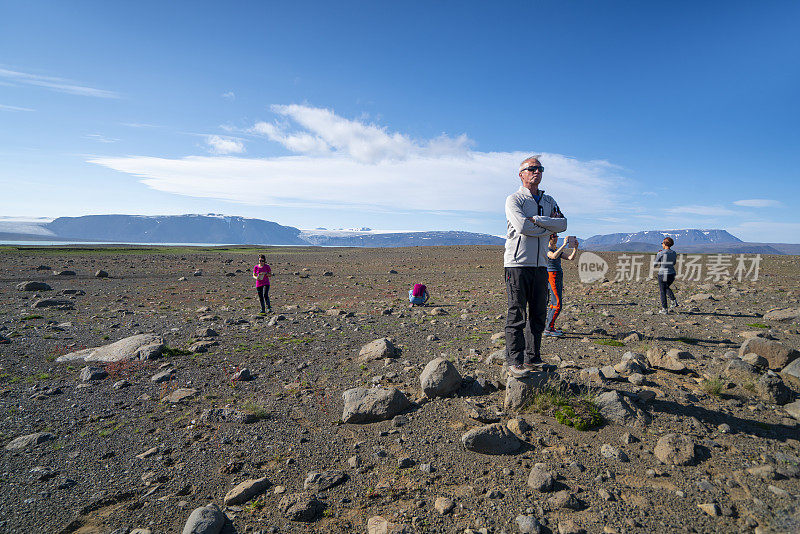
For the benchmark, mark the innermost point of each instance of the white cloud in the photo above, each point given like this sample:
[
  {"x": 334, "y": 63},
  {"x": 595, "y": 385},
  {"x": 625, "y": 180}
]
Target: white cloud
[
  {"x": 344, "y": 163},
  {"x": 367, "y": 143},
  {"x": 759, "y": 203},
  {"x": 703, "y": 211},
  {"x": 3, "y": 107},
  {"x": 224, "y": 145},
  {"x": 56, "y": 84},
  {"x": 229, "y": 95}
]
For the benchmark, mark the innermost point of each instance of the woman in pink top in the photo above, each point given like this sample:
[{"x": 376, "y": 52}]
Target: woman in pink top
[{"x": 261, "y": 273}]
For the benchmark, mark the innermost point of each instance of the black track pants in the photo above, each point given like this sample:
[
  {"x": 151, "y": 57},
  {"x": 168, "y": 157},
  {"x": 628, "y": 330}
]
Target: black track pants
[{"x": 527, "y": 306}]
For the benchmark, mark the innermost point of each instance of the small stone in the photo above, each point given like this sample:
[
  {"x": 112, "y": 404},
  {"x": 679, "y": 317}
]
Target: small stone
[
  {"x": 491, "y": 439},
  {"x": 323, "y": 480},
  {"x": 528, "y": 524},
  {"x": 246, "y": 490},
  {"x": 300, "y": 507},
  {"x": 540, "y": 480},
  {"x": 92, "y": 373},
  {"x": 444, "y": 505},
  {"x": 180, "y": 394},
  {"x": 605, "y": 495},
  {"x": 568, "y": 526},
  {"x": 564, "y": 499},
  {"x": 675, "y": 449},
  {"x": 636, "y": 379},
  {"x": 780, "y": 492},
  {"x": 207, "y": 519},
  {"x": 609, "y": 451},
  {"x": 711, "y": 509},
  {"x": 765, "y": 471}
]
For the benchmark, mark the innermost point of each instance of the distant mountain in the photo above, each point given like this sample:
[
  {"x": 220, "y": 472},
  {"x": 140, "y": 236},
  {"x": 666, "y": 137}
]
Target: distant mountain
[
  {"x": 402, "y": 239},
  {"x": 232, "y": 230},
  {"x": 686, "y": 241},
  {"x": 220, "y": 229},
  {"x": 174, "y": 229},
  {"x": 655, "y": 237}
]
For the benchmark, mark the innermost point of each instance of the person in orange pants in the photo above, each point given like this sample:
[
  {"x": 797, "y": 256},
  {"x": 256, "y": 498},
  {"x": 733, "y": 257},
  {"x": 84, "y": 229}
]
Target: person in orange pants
[{"x": 555, "y": 278}]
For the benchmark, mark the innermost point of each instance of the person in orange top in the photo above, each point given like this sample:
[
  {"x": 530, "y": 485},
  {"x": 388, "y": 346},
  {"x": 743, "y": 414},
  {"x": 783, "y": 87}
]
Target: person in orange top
[{"x": 555, "y": 277}]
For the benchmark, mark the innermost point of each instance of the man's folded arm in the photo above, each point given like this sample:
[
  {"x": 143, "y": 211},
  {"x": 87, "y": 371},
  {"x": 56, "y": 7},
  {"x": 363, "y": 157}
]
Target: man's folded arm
[
  {"x": 551, "y": 224},
  {"x": 518, "y": 220}
]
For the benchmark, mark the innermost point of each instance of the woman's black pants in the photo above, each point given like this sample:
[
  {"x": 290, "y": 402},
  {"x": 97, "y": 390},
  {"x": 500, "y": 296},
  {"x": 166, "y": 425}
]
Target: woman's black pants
[
  {"x": 263, "y": 297},
  {"x": 664, "y": 281}
]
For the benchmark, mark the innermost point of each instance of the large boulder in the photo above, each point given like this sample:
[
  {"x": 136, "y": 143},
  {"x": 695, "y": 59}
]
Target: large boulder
[
  {"x": 520, "y": 390},
  {"x": 439, "y": 378},
  {"x": 367, "y": 405},
  {"x": 770, "y": 388},
  {"x": 377, "y": 350},
  {"x": 661, "y": 360},
  {"x": 205, "y": 520},
  {"x": 792, "y": 370},
  {"x": 33, "y": 286},
  {"x": 782, "y": 314},
  {"x": 776, "y": 353},
  {"x": 138, "y": 347},
  {"x": 793, "y": 409},
  {"x": 491, "y": 439},
  {"x": 614, "y": 408},
  {"x": 61, "y": 304},
  {"x": 675, "y": 449}
]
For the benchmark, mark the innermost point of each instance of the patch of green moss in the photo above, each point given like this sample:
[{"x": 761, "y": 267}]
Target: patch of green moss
[{"x": 610, "y": 342}]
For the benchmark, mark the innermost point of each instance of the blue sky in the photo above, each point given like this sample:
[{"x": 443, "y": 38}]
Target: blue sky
[{"x": 405, "y": 115}]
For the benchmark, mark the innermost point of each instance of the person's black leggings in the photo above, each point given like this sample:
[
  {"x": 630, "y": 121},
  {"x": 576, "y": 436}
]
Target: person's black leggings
[
  {"x": 263, "y": 297},
  {"x": 664, "y": 281}
]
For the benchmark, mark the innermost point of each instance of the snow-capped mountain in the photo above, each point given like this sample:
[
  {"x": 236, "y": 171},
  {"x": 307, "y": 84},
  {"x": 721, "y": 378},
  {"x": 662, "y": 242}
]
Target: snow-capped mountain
[{"x": 655, "y": 237}]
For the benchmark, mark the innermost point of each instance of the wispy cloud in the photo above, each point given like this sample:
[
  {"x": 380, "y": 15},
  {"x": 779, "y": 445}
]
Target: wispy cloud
[
  {"x": 139, "y": 125},
  {"x": 229, "y": 95},
  {"x": 101, "y": 138},
  {"x": 339, "y": 162},
  {"x": 4, "y": 107},
  {"x": 703, "y": 211},
  {"x": 224, "y": 145},
  {"x": 55, "y": 84},
  {"x": 759, "y": 203}
]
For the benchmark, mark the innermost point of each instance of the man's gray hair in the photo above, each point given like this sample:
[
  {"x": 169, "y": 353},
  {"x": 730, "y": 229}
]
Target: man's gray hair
[{"x": 528, "y": 160}]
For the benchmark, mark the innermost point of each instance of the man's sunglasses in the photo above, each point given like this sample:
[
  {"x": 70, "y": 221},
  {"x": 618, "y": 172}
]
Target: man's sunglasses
[{"x": 534, "y": 168}]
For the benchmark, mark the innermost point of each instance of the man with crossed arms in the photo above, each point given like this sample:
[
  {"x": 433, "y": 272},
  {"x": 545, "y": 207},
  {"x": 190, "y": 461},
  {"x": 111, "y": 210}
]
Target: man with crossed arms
[{"x": 532, "y": 216}]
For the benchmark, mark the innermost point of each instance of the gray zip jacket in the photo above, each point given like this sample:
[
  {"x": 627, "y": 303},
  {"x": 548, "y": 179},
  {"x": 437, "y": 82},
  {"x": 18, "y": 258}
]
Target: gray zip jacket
[{"x": 526, "y": 241}]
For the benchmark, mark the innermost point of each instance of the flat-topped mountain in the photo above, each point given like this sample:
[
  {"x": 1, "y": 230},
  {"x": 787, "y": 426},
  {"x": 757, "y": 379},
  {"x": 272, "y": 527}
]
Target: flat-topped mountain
[
  {"x": 175, "y": 229},
  {"x": 655, "y": 237}
]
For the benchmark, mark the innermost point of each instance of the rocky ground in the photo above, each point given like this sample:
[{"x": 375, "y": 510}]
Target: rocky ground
[{"x": 697, "y": 434}]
